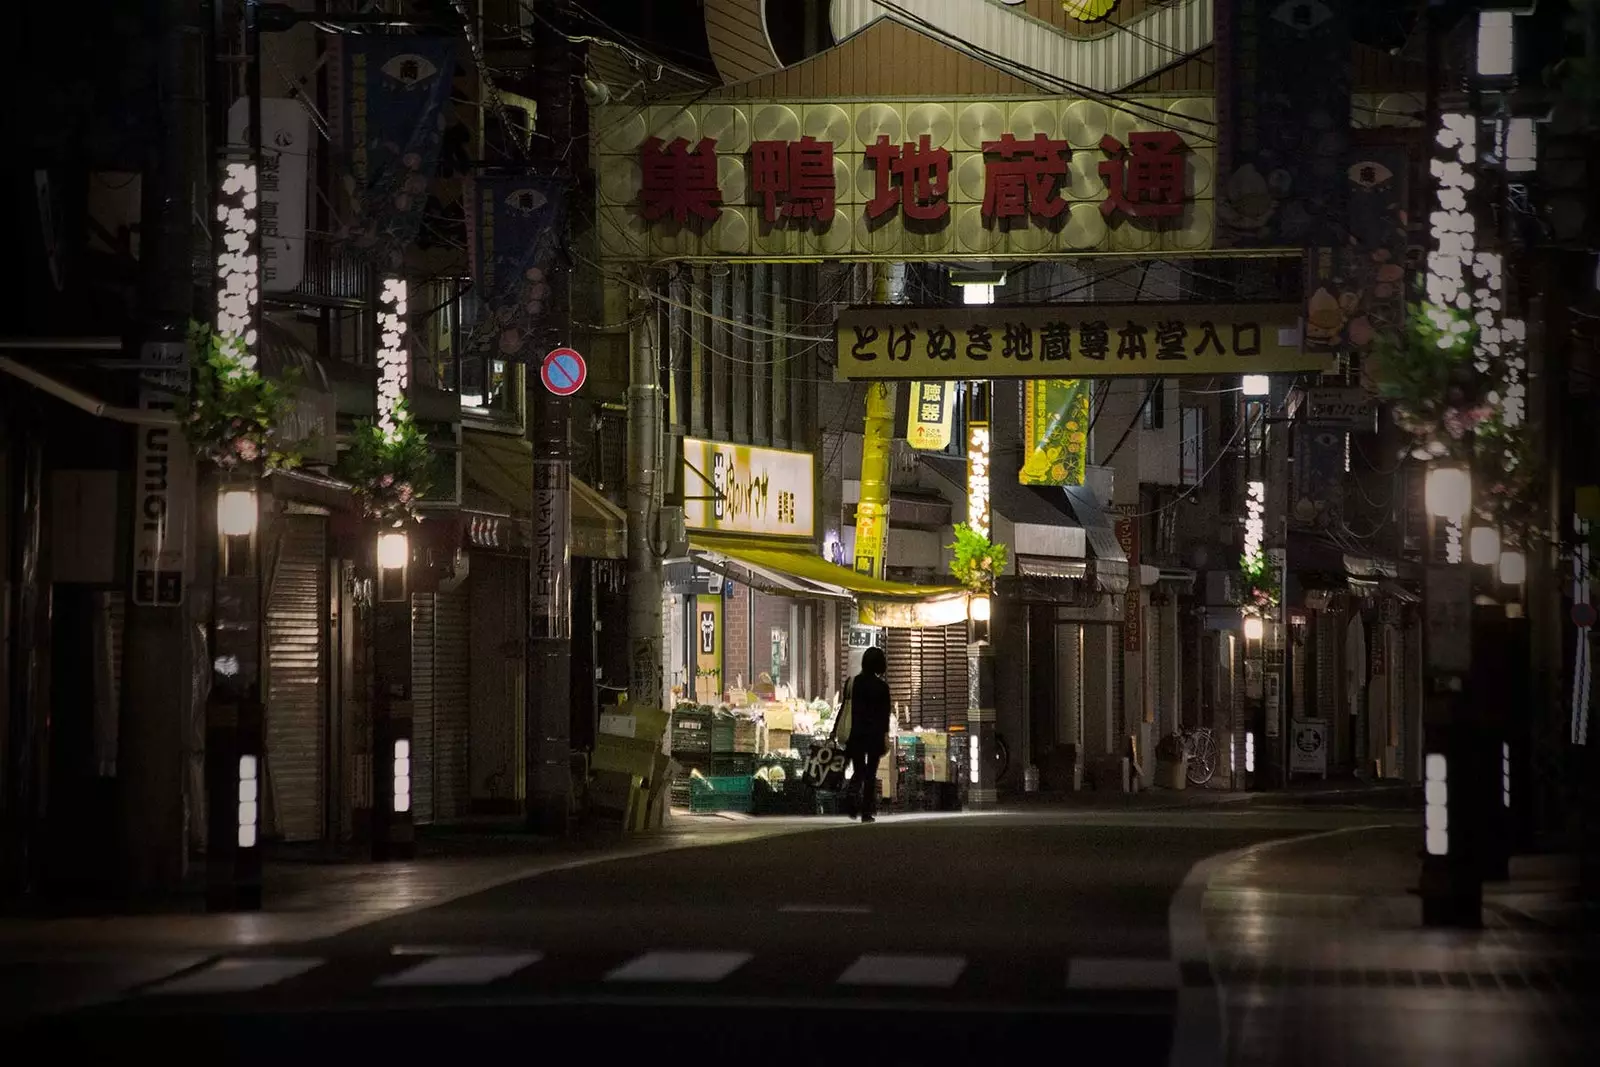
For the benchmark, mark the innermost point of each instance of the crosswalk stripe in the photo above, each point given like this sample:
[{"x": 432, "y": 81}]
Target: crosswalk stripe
[
  {"x": 237, "y": 975},
  {"x": 1123, "y": 974},
  {"x": 462, "y": 970},
  {"x": 680, "y": 967},
  {"x": 931, "y": 972}
]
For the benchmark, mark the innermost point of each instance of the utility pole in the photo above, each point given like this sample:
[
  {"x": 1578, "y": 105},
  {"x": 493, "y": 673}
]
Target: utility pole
[
  {"x": 150, "y": 758},
  {"x": 644, "y": 503},
  {"x": 548, "y": 702}
]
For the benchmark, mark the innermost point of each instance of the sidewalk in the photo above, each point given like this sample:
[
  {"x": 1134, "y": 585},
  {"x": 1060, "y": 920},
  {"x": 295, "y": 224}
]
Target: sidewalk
[
  {"x": 1318, "y": 949},
  {"x": 1331, "y": 792}
]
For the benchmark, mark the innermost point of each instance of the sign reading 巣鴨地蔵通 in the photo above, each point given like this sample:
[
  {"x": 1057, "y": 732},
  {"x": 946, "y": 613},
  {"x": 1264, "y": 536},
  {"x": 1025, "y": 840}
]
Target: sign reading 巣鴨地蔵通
[
  {"x": 809, "y": 178},
  {"x": 732, "y": 488},
  {"x": 887, "y": 341}
]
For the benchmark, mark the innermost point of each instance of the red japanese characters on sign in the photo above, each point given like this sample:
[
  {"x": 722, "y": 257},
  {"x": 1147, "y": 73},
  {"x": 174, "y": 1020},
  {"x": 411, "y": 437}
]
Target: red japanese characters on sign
[
  {"x": 1023, "y": 179},
  {"x": 1026, "y": 179},
  {"x": 797, "y": 173},
  {"x": 1145, "y": 179},
  {"x": 923, "y": 175},
  {"x": 678, "y": 182}
]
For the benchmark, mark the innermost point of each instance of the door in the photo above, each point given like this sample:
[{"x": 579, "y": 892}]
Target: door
[{"x": 296, "y": 705}]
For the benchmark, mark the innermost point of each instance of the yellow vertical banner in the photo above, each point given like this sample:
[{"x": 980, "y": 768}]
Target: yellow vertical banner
[
  {"x": 708, "y": 648},
  {"x": 1055, "y": 420},
  {"x": 872, "y": 510},
  {"x": 933, "y": 407}
]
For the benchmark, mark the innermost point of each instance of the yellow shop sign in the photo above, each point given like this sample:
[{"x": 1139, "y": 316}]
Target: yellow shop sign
[{"x": 746, "y": 489}]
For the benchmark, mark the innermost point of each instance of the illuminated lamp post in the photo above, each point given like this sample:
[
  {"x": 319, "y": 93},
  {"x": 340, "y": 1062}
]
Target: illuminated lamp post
[
  {"x": 1451, "y": 885},
  {"x": 393, "y": 828},
  {"x": 233, "y": 708}
]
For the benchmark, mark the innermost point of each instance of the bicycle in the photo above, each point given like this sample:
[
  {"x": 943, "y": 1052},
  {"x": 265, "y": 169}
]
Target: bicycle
[{"x": 1200, "y": 750}]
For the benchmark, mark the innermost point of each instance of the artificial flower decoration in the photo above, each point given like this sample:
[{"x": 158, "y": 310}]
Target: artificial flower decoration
[
  {"x": 977, "y": 559},
  {"x": 391, "y": 473},
  {"x": 232, "y": 413}
]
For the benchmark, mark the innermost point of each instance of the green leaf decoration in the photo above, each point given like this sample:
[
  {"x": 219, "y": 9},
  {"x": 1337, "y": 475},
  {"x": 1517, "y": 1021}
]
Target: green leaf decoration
[
  {"x": 232, "y": 413},
  {"x": 977, "y": 559},
  {"x": 390, "y": 474}
]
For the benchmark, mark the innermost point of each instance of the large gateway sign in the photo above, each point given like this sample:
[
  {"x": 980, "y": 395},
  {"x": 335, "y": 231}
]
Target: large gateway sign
[
  {"x": 1071, "y": 341},
  {"x": 913, "y": 178}
]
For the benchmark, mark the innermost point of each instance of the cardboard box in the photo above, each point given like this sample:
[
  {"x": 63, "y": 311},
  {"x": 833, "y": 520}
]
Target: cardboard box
[
  {"x": 779, "y": 717},
  {"x": 778, "y": 740}
]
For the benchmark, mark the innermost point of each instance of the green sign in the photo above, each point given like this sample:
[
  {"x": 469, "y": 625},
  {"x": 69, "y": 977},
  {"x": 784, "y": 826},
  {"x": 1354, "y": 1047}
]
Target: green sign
[{"x": 1055, "y": 422}]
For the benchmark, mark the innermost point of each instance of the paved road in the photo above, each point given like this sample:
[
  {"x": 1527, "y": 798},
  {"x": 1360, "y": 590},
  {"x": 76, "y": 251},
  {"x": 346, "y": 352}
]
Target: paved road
[{"x": 909, "y": 940}]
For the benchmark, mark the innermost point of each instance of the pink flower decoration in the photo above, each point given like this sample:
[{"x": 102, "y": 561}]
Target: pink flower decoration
[
  {"x": 386, "y": 481},
  {"x": 246, "y": 448}
]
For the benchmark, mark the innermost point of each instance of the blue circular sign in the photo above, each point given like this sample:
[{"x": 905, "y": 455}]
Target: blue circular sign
[{"x": 563, "y": 372}]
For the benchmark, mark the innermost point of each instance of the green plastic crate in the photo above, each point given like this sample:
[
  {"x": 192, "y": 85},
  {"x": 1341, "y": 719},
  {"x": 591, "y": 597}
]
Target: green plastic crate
[{"x": 721, "y": 794}]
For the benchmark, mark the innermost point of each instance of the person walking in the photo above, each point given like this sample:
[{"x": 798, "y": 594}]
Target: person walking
[{"x": 869, "y": 733}]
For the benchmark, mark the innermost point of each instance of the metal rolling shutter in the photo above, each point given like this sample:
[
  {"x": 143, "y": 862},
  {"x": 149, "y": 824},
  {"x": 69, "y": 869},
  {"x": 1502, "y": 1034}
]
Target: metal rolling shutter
[
  {"x": 296, "y": 686},
  {"x": 956, "y": 674},
  {"x": 451, "y": 695},
  {"x": 422, "y": 705},
  {"x": 904, "y": 687}
]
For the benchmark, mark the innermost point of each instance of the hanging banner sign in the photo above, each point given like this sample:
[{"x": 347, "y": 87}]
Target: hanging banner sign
[
  {"x": 886, "y": 341},
  {"x": 514, "y": 227},
  {"x": 731, "y": 488},
  {"x": 1342, "y": 407},
  {"x": 1055, "y": 428},
  {"x": 1127, "y": 530},
  {"x": 933, "y": 407},
  {"x": 389, "y": 96},
  {"x": 809, "y": 179},
  {"x": 282, "y": 186}
]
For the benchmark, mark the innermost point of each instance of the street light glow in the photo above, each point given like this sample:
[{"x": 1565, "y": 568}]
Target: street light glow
[
  {"x": 1448, "y": 491},
  {"x": 236, "y": 513},
  {"x": 1485, "y": 545},
  {"x": 1257, "y": 385},
  {"x": 393, "y": 551},
  {"x": 1254, "y": 628},
  {"x": 1513, "y": 567}
]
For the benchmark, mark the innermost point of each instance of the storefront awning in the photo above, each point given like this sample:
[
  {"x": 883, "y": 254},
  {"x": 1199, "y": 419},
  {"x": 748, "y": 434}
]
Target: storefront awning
[
  {"x": 796, "y": 571},
  {"x": 1110, "y": 561},
  {"x": 501, "y": 466}
]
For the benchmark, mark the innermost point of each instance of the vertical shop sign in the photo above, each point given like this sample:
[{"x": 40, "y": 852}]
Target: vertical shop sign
[
  {"x": 708, "y": 647},
  {"x": 285, "y": 154},
  {"x": 1127, "y": 530},
  {"x": 165, "y": 472},
  {"x": 552, "y": 541},
  {"x": 933, "y": 406}
]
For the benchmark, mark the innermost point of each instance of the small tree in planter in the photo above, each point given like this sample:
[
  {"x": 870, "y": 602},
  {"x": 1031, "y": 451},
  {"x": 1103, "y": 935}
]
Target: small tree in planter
[
  {"x": 977, "y": 559},
  {"x": 390, "y": 472},
  {"x": 1172, "y": 764}
]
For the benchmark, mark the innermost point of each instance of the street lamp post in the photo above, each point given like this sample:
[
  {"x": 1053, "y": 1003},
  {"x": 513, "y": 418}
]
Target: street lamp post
[
  {"x": 234, "y": 709},
  {"x": 393, "y": 832},
  {"x": 1452, "y": 884}
]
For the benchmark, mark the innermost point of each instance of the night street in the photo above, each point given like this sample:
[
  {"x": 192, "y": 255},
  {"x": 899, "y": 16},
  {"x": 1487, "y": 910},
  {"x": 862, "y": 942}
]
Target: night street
[{"x": 984, "y": 933}]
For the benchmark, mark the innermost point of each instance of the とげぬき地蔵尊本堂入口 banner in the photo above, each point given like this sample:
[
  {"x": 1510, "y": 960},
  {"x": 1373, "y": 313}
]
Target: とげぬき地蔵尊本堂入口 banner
[{"x": 1071, "y": 341}]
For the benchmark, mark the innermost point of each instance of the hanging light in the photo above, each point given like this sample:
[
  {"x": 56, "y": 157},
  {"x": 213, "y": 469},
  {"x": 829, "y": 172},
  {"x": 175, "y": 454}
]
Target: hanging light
[
  {"x": 1254, "y": 628},
  {"x": 236, "y": 513},
  {"x": 1448, "y": 492},
  {"x": 1513, "y": 567},
  {"x": 1485, "y": 545}
]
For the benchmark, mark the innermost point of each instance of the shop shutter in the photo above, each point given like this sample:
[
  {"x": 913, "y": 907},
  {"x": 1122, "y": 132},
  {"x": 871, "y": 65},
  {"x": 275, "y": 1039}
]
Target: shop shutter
[
  {"x": 1328, "y": 635},
  {"x": 903, "y": 664},
  {"x": 451, "y": 695},
  {"x": 422, "y": 705},
  {"x": 956, "y": 684},
  {"x": 296, "y": 685}
]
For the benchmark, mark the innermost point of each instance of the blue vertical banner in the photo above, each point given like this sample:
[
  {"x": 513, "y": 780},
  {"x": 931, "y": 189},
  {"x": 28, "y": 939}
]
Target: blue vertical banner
[
  {"x": 515, "y": 225},
  {"x": 392, "y": 112},
  {"x": 1284, "y": 89},
  {"x": 1358, "y": 286}
]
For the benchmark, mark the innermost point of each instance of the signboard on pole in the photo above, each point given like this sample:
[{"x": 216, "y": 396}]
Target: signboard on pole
[
  {"x": 1447, "y": 598},
  {"x": 983, "y": 341},
  {"x": 745, "y": 489},
  {"x": 552, "y": 540},
  {"x": 1308, "y": 747},
  {"x": 563, "y": 372},
  {"x": 933, "y": 406},
  {"x": 1274, "y": 702},
  {"x": 164, "y": 485},
  {"x": 1342, "y": 408},
  {"x": 285, "y": 153},
  {"x": 1127, "y": 529}
]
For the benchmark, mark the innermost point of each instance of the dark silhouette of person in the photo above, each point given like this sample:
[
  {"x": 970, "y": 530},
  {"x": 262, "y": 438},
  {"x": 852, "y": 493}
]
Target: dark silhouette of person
[{"x": 869, "y": 732}]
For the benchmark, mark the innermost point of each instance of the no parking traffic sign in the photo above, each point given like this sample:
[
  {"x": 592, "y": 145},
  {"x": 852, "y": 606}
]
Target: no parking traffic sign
[{"x": 563, "y": 372}]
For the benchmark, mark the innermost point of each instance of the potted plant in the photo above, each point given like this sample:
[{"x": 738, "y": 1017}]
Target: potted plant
[
  {"x": 977, "y": 559},
  {"x": 1172, "y": 764}
]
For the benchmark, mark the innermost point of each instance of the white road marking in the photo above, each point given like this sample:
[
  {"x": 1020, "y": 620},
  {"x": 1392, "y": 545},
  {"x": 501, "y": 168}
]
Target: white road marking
[
  {"x": 826, "y": 909},
  {"x": 462, "y": 970},
  {"x": 929, "y": 972},
  {"x": 237, "y": 976},
  {"x": 1128, "y": 974},
  {"x": 680, "y": 967}
]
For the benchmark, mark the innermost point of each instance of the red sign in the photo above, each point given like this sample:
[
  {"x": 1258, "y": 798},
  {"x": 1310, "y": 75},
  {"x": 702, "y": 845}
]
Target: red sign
[
  {"x": 563, "y": 372},
  {"x": 1022, "y": 179},
  {"x": 1127, "y": 530}
]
